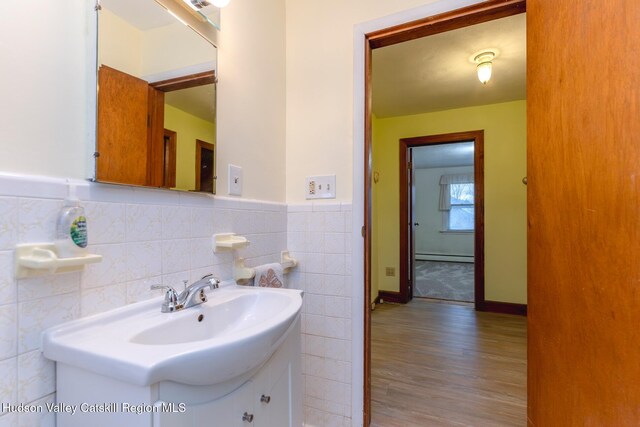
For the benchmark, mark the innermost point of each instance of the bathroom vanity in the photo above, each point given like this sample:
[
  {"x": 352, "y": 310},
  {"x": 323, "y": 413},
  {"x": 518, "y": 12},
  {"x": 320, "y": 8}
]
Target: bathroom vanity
[{"x": 231, "y": 361}]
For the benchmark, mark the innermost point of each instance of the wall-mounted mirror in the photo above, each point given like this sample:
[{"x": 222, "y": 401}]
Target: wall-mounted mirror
[{"x": 156, "y": 122}]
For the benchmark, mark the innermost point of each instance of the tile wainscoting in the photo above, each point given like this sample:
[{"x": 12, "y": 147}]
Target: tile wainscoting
[
  {"x": 149, "y": 236},
  {"x": 146, "y": 236},
  {"x": 319, "y": 235}
]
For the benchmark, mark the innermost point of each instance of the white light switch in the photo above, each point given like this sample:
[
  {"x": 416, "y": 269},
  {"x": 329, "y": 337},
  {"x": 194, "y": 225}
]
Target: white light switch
[
  {"x": 321, "y": 187},
  {"x": 235, "y": 180}
]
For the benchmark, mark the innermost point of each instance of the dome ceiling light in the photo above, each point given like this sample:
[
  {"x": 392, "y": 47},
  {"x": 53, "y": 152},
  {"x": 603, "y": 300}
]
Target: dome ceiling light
[{"x": 485, "y": 65}]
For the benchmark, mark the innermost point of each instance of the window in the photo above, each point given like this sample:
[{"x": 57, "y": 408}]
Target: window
[
  {"x": 461, "y": 215},
  {"x": 457, "y": 202}
]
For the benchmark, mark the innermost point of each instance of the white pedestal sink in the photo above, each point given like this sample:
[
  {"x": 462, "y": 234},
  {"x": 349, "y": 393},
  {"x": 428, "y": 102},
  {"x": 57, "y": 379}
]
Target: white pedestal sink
[{"x": 183, "y": 364}]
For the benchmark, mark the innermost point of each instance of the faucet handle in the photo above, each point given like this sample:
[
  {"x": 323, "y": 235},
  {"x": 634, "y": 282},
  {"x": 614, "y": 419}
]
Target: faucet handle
[
  {"x": 213, "y": 281},
  {"x": 170, "y": 298}
]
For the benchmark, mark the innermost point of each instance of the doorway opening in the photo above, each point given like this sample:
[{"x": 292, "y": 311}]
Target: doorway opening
[
  {"x": 170, "y": 141},
  {"x": 205, "y": 166},
  {"x": 442, "y": 199},
  {"x": 433, "y": 25}
]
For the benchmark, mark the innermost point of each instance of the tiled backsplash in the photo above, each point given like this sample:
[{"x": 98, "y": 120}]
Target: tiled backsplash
[
  {"x": 145, "y": 236},
  {"x": 319, "y": 235}
]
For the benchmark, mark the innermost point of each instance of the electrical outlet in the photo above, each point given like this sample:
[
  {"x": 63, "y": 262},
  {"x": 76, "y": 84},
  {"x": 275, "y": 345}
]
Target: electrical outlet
[
  {"x": 321, "y": 187},
  {"x": 235, "y": 180},
  {"x": 390, "y": 271}
]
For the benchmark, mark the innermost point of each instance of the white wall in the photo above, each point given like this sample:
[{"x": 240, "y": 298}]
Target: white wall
[
  {"x": 429, "y": 236},
  {"x": 45, "y": 113},
  {"x": 251, "y": 97}
]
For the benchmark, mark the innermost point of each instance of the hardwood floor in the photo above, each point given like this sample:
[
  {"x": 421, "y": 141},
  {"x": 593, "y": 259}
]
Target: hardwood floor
[{"x": 439, "y": 364}]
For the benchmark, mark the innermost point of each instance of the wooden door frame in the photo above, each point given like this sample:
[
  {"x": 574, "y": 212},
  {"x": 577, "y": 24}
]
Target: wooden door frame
[
  {"x": 459, "y": 18},
  {"x": 169, "y": 161},
  {"x": 208, "y": 146},
  {"x": 477, "y": 136},
  {"x": 186, "y": 82}
]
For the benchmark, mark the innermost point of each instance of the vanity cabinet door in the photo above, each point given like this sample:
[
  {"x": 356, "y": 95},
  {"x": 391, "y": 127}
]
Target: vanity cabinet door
[
  {"x": 227, "y": 411},
  {"x": 272, "y": 397}
]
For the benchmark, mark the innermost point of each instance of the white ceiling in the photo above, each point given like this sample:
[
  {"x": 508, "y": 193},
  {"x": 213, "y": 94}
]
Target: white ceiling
[
  {"x": 436, "y": 73},
  {"x": 443, "y": 155},
  {"x": 142, "y": 14},
  {"x": 198, "y": 101},
  {"x": 147, "y": 14}
]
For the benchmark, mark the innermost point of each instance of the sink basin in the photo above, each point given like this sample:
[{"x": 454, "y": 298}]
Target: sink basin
[{"x": 233, "y": 333}]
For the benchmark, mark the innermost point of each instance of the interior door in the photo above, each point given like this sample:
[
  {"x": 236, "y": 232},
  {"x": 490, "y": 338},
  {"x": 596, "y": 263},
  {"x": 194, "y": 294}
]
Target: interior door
[
  {"x": 122, "y": 128},
  {"x": 583, "y": 109}
]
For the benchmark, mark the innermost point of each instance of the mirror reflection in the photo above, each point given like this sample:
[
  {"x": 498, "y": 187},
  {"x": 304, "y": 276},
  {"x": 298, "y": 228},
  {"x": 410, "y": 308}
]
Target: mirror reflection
[{"x": 156, "y": 121}]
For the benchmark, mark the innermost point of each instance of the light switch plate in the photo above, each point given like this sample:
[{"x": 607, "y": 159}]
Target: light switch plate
[
  {"x": 321, "y": 187},
  {"x": 235, "y": 180}
]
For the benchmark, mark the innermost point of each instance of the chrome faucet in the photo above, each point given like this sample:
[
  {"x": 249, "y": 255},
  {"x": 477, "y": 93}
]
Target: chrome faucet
[{"x": 192, "y": 294}]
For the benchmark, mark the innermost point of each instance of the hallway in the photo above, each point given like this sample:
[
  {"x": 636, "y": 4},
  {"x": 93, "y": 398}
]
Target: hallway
[{"x": 440, "y": 364}]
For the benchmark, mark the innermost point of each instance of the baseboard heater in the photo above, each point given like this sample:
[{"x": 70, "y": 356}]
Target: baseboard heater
[{"x": 444, "y": 257}]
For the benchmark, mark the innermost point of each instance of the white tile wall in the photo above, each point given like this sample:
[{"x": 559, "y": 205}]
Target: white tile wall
[
  {"x": 9, "y": 381},
  {"x": 149, "y": 237},
  {"x": 319, "y": 235},
  {"x": 41, "y": 419},
  {"x": 146, "y": 237},
  {"x": 9, "y": 224}
]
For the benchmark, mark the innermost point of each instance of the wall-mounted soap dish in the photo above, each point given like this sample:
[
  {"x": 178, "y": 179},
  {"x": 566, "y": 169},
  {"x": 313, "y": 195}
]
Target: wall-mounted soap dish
[
  {"x": 37, "y": 259},
  {"x": 229, "y": 241}
]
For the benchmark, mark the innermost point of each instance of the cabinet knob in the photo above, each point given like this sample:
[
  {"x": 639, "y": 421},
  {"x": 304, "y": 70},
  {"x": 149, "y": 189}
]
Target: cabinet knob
[
  {"x": 247, "y": 417},
  {"x": 265, "y": 399}
]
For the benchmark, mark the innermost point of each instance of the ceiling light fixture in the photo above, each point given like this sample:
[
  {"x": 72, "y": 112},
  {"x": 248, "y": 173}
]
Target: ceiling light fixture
[{"x": 484, "y": 66}]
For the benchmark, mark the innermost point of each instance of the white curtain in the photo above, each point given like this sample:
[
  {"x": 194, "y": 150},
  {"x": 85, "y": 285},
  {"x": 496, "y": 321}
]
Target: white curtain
[{"x": 445, "y": 187}]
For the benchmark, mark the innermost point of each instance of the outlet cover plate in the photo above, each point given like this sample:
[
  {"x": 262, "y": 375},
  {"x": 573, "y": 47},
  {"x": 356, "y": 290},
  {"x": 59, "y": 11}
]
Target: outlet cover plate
[
  {"x": 321, "y": 187},
  {"x": 235, "y": 180}
]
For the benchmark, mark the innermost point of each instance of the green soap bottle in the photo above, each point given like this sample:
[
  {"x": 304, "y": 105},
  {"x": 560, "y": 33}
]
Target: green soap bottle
[{"x": 71, "y": 230}]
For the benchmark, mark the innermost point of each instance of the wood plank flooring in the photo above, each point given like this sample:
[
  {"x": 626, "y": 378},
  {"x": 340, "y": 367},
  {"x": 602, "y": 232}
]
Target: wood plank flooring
[{"x": 439, "y": 364}]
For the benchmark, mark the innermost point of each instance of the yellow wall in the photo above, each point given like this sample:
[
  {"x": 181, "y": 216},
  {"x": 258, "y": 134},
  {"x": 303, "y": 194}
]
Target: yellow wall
[
  {"x": 505, "y": 196},
  {"x": 189, "y": 128}
]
